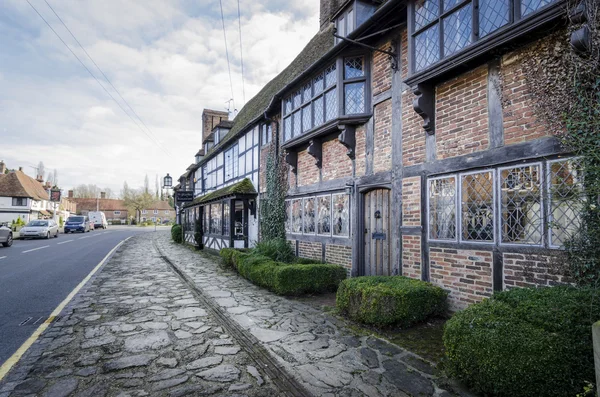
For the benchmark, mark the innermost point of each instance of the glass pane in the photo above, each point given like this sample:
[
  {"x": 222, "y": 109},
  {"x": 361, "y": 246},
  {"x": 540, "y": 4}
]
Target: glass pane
[
  {"x": 354, "y": 95},
  {"x": 297, "y": 216},
  {"x": 330, "y": 77},
  {"x": 566, "y": 200},
  {"x": 318, "y": 111},
  {"x": 425, "y": 12},
  {"x": 306, "y": 118},
  {"x": 288, "y": 105},
  {"x": 307, "y": 95},
  {"x": 521, "y": 206},
  {"x": 297, "y": 99},
  {"x": 457, "y": 30},
  {"x": 493, "y": 14},
  {"x": 353, "y": 67},
  {"x": 288, "y": 218},
  {"x": 477, "y": 206},
  {"x": 442, "y": 209},
  {"x": 341, "y": 215},
  {"x": 226, "y": 219},
  {"x": 350, "y": 21},
  {"x": 215, "y": 219},
  {"x": 427, "y": 48},
  {"x": 448, "y": 4},
  {"x": 341, "y": 27},
  {"x": 287, "y": 128},
  {"x": 318, "y": 84},
  {"x": 331, "y": 106},
  {"x": 324, "y": 217},
  {"x": 529, "y": 6},
  {"x": 296, "y": 124},
  {"x": 309, "y": 215},
  {"x": 206, "y": 225}
]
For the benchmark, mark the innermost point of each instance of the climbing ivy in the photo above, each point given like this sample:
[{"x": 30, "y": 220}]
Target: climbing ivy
[{"x": 272, "y": 204}]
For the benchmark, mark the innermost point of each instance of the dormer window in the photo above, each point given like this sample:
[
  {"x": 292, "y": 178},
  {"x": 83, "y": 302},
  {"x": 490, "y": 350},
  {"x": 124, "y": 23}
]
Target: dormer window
[
  {"x": 352, "y": 16},
  {"x": 216, "y": 136}
]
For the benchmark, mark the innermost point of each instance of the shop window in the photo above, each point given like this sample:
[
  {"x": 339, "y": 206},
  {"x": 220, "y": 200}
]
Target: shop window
[
  {"x": 442, "y": 208},
  {"x": 477, "y": 207},
  {"x": 297, "y": 216},
  {"x": 206, "y": 226},
  {"x": 216, "y": 219},
  {"x": 324, "y": 215},
  {"x": 341, "y": 215},
  {"x": 226, "y": 219},
  {"x": 309, "y": 215}
]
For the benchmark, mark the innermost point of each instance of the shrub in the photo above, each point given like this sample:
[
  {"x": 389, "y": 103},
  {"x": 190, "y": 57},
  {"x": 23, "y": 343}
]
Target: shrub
[
  {"x": 279, "y": 250},
  {"x": 306, "y": 261},
  {"x": 389, "y": 300},
  {"x": 198, "y": 232},
  {"x": 229, "y": 256},
  {"x": 177, "y": 233},
  {"x": 525, "y": 342}
]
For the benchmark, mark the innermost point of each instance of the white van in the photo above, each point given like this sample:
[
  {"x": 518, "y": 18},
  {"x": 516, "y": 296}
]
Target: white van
[{"x": 98, "y": 219}]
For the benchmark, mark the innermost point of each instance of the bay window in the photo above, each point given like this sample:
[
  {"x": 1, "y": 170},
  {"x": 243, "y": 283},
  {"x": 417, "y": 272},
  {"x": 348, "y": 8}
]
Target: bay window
[{"x": 325, "y": 215}]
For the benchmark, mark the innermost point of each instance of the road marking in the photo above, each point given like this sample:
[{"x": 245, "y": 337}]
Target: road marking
[
  {"x": 81, "y": 238},
  {"x": 2, "y": 257},
  {"x": 64, "y": 242},
  {"x": 25, "y": 346},
  {"x": 35, "y": 249}
]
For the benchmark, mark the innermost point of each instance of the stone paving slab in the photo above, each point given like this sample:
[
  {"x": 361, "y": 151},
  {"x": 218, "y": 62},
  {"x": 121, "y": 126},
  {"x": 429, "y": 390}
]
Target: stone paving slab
[
  {"x": 319, "y": 350},
  {"x": 136, "y": 330}
]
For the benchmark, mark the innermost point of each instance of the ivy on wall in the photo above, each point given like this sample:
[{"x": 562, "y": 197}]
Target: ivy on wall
[{"x": 272, "y": 205}]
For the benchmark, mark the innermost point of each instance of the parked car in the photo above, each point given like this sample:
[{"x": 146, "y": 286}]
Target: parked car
[
  {"x": 43, "y": 228},
  {"x": 6, "y": 235},
  {"x": 78, "y": 223},
  {"x": 92, "y": 225},
  {"x": 99, "y": 219}
]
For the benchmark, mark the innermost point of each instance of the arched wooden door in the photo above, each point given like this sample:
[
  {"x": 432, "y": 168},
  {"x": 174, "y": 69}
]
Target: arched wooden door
[{"x": 377, "y": 261}]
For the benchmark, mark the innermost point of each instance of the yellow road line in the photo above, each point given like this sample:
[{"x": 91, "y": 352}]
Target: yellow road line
[{"x": 6, "y": 367}]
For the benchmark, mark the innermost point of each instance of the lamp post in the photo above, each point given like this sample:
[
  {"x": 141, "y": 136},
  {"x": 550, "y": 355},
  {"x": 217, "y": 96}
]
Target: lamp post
[{"x": 167, "y": 184}]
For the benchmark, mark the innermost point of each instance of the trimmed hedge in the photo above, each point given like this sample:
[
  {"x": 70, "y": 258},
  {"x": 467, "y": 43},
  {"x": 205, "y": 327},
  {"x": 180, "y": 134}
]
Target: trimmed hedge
[
  {"x": 177, "y": 233},
  {"x": 389, "y": 300},
  {"x": 525, "y": 342},
  {"x": 284, "y": 278}
]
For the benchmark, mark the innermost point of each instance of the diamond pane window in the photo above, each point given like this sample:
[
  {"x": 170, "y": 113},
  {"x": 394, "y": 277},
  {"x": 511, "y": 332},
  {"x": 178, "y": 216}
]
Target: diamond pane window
[
  {"x": 530, "y": 6},
  {"x": 307, "y": 92},
  {"x": 318, "y": 84},
  {"x": 206, "y": 226},
  {"x": 448, "y": 4},
  {"x": 566, "y": 200},
  {"x": 318, "y": 111},
  {"x": 425, "y": 12},
  {"x": 353, "y": 67},
  {"x": 297, "y": 216},
  {"x": 427, "y": 50},
  {"x": 521, "y": 205},
  {"x": 442, "y": 209},
  {"x": 309, "y": 215},
  {"x": 350, "y": 22},
  {"x": 297, "y": 99},
  {"x": 330, "y": 76},
  {"x": 493, "y": 14},
  {"x": 288, "y": 105},
  {"x": 297, "y": 124},
  {"x": 215, "y": 219},
  {"x": 341, "y": 215},
  {"x": 288, "y": 218},
  {"x": 457, "y": 30},
  {"x": 287, "y": 128},
  {"x": 226, "y": 219},
  {"x": 354, "y": 96},
  {"x": 477, "y": 207},
  {"x": 331, "y": 106},
  {"x": 306, "y": 118},
  {"x": 324, "y": 215}
]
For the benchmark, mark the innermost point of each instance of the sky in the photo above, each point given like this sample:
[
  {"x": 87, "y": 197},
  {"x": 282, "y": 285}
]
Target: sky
[{"x": 166, "y": 58}]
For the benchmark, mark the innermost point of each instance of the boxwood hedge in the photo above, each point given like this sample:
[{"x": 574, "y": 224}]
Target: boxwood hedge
[
  {"x": 389, "y": 300},
  {"x": 525, "y": 342},
  {"x": 177, "y": 233}
]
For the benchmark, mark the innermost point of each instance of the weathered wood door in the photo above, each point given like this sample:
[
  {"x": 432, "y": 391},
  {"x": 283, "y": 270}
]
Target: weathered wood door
[{"x": 377, "y": 233}]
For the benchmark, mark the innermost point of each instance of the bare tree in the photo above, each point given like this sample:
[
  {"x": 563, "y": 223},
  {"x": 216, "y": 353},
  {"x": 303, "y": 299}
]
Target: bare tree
[
  {"x": 146, "y": 185},
  {"x": 138, "y": 200},
  {"x": 41, "y": 169},
  {"x": 55, "y": 177},
  {"x": 157, "y": 187},
  {"x": 86, "y": 191},
  {"x": 108, "y": 193},
  {"x": 50, "y": 179}
]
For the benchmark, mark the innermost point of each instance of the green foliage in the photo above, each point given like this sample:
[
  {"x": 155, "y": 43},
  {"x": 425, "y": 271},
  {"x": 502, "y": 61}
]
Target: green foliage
[
  {"x": 198, "y": 232},
  {"x": 390, "y": 300},
  {"x": 525, "y": 342},
  {"x": 272, "y": 204},
  {"x": 61, "y": 221},
  {"x": 283, "y": 278},
  {"x": 229, "y": 256},
  {"x": 177, "y": 233},
  {"x": 279, "y": 250}
]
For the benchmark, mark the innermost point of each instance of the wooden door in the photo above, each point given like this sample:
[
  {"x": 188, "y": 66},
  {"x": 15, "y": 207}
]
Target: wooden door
[{"x": 377, "y": 261}]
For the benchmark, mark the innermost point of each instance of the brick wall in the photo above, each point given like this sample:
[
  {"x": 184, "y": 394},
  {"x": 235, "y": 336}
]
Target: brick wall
[
  {"x": 411, "y": 201},
  {"x": 382, "y": 70},
  {"x": 466, "y": 274},
  {"x": 308, "y": 172},
  {"x": 411, "y": 256},
  {"x": 339, "y": 255},
  {"x": 361, "y": 150},
  {"x": 310, "y": 250},
  {"x": 382, "y": 159},
  {"x": 336, "y": 163},
  {"x": 531, "y": 270},
  {"x": 461, "y": 114}
]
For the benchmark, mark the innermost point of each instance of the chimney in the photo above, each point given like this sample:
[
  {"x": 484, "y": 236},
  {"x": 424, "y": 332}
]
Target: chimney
[
  {"x": 328, "y": 8},
  {"x": 2, "y": 167},
  {"x": 210, "y": 119},
  {"x": 21, "y": 169},
  {"x": 40, "y": 178},
  {"x": 71, "y": 194},
  {"x": 48, "y": 185},
  {"x": 102, "y": 195}
]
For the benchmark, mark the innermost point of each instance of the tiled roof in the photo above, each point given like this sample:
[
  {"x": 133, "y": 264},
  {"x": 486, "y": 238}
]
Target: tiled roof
[
  {"x": 18, "y": 184},
  {"x": 245, "y": 186},
  {"x": 89, "y": 204}
]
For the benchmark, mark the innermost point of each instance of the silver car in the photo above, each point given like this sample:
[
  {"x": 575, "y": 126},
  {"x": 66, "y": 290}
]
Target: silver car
[
  {"x": 6, "y": 236},
  {"x": 43, "y": 228}
]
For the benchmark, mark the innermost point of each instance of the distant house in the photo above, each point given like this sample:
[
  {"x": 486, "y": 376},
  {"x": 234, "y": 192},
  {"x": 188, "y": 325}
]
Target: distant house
[
  {"x": 115, "y": 210},
  {"x": 160, "y": 211},
  {"x": 21, "y": 196}
]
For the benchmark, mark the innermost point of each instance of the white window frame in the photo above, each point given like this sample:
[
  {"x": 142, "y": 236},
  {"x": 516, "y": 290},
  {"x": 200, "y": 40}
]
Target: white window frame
[
  {"x": 155, "y": 212},
  {"x": 116, "y": 212},
  {"x": 457, "y": 224}
]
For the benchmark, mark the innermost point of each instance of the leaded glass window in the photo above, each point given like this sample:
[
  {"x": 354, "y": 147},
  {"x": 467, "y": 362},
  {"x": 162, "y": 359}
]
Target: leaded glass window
[
  {"x": 215, "y": 219},
  {"x": 309, "y": 215},
  {"x": 493, "y": 14},
  {"x": 566, "y": 199},
  {"x": 521, "y": 205},
  {"x": 287, "y": 128},
  {"x": 318, "y": 110},
  {"x": 306, "y": 118},
  {"x": 457, "y": 30},
  {"x": 297, "y": 122},
  {"x": 206, "y": 226},
  {"x": 330, "y": 76},
  {"x": 353, "y": 68},
  {"x": 477, "y": 207},
  {"x": 288, "y": 218},
  {"x": 442, "y": 208},
  {"x": 307, "y": 93},
  {"x": 341, "y": 215},
  {"x": 354, "y": 96},
  {"x": 287, "y": 105},
  {"x": 297, "y": 99},
  {"x": 426, "y": 11},
  {"x": 318, "y": 84},
  {"x": 226, "y": 219},
  {"x": 331, "y": 106},
  {"x": 231, "y": 163},
  {"x": 427, "y": 46},
  {"x": 530, "y": 6},
  {"x": 296, "y": 216},
  {"x": 324, "y": 215}
]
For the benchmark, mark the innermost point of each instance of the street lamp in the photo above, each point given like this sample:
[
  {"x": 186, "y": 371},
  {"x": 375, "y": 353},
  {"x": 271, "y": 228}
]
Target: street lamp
[{"x": 167, "y": 181}]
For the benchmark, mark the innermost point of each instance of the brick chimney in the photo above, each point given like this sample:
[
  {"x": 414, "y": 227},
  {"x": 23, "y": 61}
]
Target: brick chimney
[
  {"x": 328, "y": 8},
  {"x": 21, "y": 169},
  {"x": 102, "y": 195},
  {"x": 48, "y": 185},
  {"x": 40, "y": 178},
  {"x": 2, "y": 167},
  {"x": 210, "y": 118},
  {"x": 71, "y": 194}
]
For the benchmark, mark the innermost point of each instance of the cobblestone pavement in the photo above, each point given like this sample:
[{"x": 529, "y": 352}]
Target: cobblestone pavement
[
  {"x": 136, "y": 330},
  {"x": 316, "y": 348}
]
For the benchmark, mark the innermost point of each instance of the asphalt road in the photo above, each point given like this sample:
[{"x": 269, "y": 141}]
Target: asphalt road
[{"x": 37, "y": 275}]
